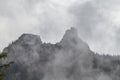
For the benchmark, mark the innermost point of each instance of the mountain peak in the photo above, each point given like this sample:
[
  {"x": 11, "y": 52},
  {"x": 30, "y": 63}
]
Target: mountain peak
[
  {"x": 71, "y": 33},
  {"x": 27, "y": 35},
  {"x": 29, "y": 39},
  {"x": 71, "y": 38}
]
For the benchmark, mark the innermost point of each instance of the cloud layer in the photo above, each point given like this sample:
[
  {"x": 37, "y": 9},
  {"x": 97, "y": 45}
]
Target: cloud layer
[
  {"x": 97, "y": 25},
  {"x": 96, "y": 20}
]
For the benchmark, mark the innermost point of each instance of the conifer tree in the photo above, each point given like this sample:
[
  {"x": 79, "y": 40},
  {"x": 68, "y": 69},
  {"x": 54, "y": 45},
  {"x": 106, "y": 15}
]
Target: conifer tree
[{"x": 4, "y": 66}]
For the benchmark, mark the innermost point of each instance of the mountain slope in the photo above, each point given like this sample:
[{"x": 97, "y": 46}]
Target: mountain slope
[{"x": 70, "y": 59}]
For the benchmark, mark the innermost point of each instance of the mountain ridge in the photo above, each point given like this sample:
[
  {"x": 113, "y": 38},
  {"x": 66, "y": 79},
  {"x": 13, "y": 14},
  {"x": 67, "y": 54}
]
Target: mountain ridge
[{"x": 69, "y": 59}]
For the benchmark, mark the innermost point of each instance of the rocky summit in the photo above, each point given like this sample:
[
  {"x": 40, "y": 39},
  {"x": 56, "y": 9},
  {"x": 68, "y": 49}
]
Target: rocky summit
[{"x": 69, "y": 59}]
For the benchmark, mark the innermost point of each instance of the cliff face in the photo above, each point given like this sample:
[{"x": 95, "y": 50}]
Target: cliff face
[{"x": 70, "y": 59}]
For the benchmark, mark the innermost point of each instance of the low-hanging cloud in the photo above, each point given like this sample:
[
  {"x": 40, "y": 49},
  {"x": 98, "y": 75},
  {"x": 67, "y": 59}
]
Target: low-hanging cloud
[
  {"x": 96, "y": 20},
  {"x": 32, "y": 16},
  {"x": 96, "y": 25}
]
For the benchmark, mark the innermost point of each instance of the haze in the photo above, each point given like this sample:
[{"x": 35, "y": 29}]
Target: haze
[{"x": 97, "y": 21}]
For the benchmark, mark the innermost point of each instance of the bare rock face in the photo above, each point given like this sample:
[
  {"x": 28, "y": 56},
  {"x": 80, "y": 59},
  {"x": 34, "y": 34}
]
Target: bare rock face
[
  {"x": 70, "y": 59},
  {"x": 29, "y": 39},
  {"x": 71, "y": 39}
]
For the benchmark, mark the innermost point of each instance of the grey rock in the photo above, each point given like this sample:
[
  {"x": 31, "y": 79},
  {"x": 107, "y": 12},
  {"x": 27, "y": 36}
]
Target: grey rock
[{"x": 70, "y": 59}]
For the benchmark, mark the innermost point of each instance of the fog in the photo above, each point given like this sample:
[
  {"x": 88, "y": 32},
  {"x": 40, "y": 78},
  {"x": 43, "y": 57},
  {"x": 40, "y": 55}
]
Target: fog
[
  {"x": 70, "y": 59},
  {"x": 96, "y": 20}
]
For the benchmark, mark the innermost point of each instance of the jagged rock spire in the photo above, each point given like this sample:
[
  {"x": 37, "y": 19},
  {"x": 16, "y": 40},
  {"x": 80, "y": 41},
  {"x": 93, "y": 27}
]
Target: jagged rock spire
[
  {"x": 71, "y": 38},
  {"x": 29, "y": 39}
]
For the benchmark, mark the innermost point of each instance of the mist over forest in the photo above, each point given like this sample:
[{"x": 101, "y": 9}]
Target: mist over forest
[
  {"x": 69, "y": 59},
  {"x": 97, "y": 21},
  {"x": 59, "y": 40}
]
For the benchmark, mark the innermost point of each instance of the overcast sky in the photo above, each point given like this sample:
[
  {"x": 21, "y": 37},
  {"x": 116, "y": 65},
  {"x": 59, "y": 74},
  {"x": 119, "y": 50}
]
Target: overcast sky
[{"x": 97, "y": 21}]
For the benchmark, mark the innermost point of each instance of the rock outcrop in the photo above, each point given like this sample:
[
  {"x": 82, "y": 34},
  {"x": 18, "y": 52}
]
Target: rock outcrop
[{"x": 70, "y": 59}]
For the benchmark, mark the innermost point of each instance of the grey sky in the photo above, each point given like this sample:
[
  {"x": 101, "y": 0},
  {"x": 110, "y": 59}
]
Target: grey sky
[{"x": 96, "y": 20}]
